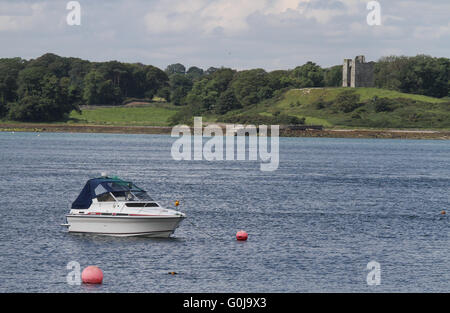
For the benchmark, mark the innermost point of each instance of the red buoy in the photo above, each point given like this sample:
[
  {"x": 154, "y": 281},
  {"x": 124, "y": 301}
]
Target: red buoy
[
  {"x": 241, "y": 235},
  {"x": 92, "y": 275}
]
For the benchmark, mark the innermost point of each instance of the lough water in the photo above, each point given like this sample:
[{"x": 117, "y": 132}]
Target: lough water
[{"x": 332, "y": 206}]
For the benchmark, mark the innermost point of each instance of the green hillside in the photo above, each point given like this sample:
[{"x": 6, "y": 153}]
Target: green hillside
[
  {"x": 330, "y": 107},
  {"x": 360, "y": 107}
]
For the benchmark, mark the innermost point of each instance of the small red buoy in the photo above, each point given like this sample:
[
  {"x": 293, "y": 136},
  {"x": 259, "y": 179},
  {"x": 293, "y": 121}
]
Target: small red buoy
[
  {"x": 241, "y": 235},
  {"x": 443, "y": 212},
  {"x": 92, "y": 275}
]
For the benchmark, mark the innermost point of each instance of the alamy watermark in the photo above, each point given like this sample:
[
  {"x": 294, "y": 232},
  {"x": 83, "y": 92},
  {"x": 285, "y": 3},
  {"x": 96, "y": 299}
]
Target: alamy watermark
[
  {"x": 74, "y": 16},
  {"x": 374, "y": 16},
  {"x": 374, "y": 276},
  {"x": 74, "y": 276},
  {"x": 213, "y": 149}
]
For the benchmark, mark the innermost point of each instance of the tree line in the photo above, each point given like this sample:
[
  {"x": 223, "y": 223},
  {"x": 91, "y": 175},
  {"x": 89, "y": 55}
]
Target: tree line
[
  {"x": 421, "y": 74},
  {"x": 50, "y": 87}
]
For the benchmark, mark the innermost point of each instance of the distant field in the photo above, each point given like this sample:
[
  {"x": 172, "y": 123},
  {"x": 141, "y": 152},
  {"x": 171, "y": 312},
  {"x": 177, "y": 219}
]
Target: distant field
[
  {"x": 309, "y": 95},
  {"x": 136, "y": 116},
  {"x": 410, "y": 111}
]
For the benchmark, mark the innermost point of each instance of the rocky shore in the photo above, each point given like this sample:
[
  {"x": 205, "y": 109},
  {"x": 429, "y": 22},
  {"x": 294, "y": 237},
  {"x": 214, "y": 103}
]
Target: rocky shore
[{"x": 284, "y": 132}]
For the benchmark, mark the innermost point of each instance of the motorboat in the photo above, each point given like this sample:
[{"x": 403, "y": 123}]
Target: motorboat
[{"x": 115, "y": 207}]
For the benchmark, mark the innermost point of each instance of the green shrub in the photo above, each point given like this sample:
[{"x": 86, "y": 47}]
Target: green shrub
[
  {"x": 38, "y": 109},
  {"x": 383, "y": 104},
  {"x": 347, "y": 101},
  {"x": 321, "y": 103},
  {"x": 186, "y": 115}
]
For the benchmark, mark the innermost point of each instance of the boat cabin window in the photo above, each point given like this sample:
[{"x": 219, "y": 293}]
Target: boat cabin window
[
  {"x": 142, "y": 196},
  {"x": 131, "y": 196},
  {"x": 120, "y": 191},
  {"x": 106, "y": 197},
  {"x": 139, "y": 205}
]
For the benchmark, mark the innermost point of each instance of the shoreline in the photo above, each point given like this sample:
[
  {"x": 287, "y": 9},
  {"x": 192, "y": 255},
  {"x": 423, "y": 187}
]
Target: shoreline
[{"x": 284, "y": 132}]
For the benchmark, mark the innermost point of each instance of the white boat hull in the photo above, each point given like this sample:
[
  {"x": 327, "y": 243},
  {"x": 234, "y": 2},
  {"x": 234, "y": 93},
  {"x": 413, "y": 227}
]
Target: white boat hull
[{"x": 146, "y": 226}]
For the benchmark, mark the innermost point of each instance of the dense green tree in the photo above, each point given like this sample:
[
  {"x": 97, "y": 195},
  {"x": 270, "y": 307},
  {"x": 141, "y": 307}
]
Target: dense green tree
[
  {"x": 420, "y": 74},
  {"x": 176, "y": 68},
  {"x": 3, "y": 109},
  {"x": 226, "y": 102},
  {"x": 98, "y": 90},
  {"x": 211, "y": 70},
  {"x": 206, "y": 91},
  {"x": 29, "y": 80},
  {"x": 333, "y": 76},
  {"x": 117, "y": 79},
  {"x": 156, "y": 80},
  {"x": 164, "y": 93},
  {"x": 50, "y": 102},
  {"x": 91, "y": 84},
  {"x": 280, "y": 79},
  {"x": 9, "y": 72},
  {"x": 53, "y": 63},
  {"x": 180, "y": 85},
  {"x": 194, "y": 72},
  {"x": 251, "y": 86},
  {"x": 78, "y": 70},
  {"x": 308, "y": 75},
  {"x": 33, "y": 108}
]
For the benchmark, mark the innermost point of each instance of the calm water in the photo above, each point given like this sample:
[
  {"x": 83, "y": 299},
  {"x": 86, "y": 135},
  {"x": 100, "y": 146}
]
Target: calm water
[{"x": 332, "y": 206}]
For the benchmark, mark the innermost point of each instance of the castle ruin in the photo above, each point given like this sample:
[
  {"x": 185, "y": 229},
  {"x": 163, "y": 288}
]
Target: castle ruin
[{"x": 357, "y": 73}]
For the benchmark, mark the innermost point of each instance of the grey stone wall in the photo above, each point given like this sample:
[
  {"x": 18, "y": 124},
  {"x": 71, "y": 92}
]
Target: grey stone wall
[
  {"x": 358, "y": 73},
  {"x": 347, "y": 73}
]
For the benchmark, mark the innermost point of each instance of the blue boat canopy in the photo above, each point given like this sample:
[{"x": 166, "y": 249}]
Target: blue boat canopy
[{"x": 99, "y": 186}]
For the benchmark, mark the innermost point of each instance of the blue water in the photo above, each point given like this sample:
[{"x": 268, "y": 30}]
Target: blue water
[{"x": 314, "y": 224}]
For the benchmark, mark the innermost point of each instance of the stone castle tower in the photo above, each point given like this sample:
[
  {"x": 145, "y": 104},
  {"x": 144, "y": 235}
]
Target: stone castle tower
[{"x": 357, "y": 73}]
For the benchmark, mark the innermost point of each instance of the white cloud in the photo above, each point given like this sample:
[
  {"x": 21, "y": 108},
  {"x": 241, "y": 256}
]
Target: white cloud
[
  {"x": 206, "y": 16},
  {"x": 427, "y": 32},
  {"x": 231, "y": 16},
  {"x": 20, "y": 16},
  {"x": 237, "y": 33}
]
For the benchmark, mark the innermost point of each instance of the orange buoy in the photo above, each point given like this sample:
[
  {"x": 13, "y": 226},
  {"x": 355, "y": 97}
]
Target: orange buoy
[
  {"x": 92, "y": 275},
  {"x": 241, "y": 235},
  {"x": 443, "y": 212},
  {"x": 177, "y": 203}
]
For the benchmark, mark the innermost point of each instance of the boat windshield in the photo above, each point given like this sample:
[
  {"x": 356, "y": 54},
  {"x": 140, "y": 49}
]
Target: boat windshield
[
  {"x": 122, "y": 191},
  {"x": 131, "y": 196}
]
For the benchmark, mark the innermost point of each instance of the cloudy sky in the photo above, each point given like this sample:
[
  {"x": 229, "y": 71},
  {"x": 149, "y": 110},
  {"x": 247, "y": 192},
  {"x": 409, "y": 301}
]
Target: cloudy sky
[{"x": 242, "y": 34}]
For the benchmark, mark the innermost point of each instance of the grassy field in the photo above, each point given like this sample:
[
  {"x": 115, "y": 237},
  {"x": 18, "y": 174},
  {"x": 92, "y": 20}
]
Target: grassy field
[
  {"x": 309, "y": 95},
  {"x": 408, "y": 110},
  {"x": 152, "y": 115}
]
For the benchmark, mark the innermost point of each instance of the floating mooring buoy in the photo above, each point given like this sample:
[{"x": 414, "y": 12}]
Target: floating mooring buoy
[
  {"x": 92, "y": 275},
  {"x": 241, "y": 235}
]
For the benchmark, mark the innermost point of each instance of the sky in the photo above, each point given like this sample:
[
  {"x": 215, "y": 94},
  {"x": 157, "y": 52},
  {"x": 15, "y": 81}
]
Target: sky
[{"x": 241, "y": 34}]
